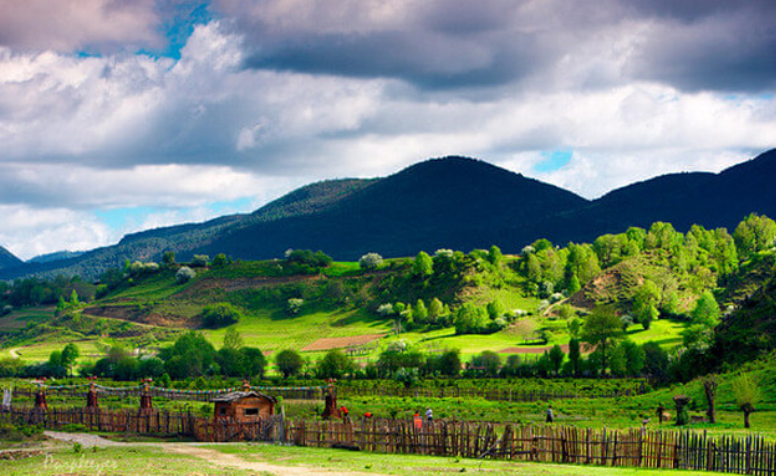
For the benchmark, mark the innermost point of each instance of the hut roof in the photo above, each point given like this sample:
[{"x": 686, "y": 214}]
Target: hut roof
[{"x": 235, "y": 396}]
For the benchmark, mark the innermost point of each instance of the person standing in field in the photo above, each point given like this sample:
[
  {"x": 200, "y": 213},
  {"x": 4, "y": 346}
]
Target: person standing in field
[
  {"x": 429, "y": 415},
  {"x": 418, "y": 422},
  {"x": 549, "y": 414}
]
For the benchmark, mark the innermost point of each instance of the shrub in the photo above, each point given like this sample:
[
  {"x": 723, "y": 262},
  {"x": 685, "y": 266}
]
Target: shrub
[
  {"x": 200, "y": 261},
  {"x": 370, "y": 261},
  {"x": 220, "y": 315},
  {"x": 185, "y": 274},
  {"x": 385, "y": 310},
  {"x": 294, "y": 305}
]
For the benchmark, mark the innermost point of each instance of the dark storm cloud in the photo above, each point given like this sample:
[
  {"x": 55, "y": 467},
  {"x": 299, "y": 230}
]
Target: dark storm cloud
[
  {"x": 715, "y": 45},
  {"x": 427, "y": 61},
  {"x": 692, "y": 45}
]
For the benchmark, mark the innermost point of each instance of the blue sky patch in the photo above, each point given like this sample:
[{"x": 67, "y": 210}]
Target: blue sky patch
[{"x": 553, "y": 160}]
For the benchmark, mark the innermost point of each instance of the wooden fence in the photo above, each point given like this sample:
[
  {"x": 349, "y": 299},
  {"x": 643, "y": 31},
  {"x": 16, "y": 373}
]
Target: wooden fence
[
  {"x": 499, "y": 395},
  {"x": 645, "y": 448},
  {"x": 127, "y": 421},
  {"x": 560, "y": 444}
]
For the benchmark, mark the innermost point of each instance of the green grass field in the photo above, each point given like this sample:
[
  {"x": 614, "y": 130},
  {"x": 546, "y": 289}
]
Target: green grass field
[{"x": 264, "y": 459}]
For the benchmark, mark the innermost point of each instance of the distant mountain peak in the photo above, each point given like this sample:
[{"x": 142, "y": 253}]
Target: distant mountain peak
[{"x": 8, "y": 260}]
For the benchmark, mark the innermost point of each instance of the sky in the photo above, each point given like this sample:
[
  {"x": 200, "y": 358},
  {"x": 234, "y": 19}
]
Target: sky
[{"x": 122, "y": 115}]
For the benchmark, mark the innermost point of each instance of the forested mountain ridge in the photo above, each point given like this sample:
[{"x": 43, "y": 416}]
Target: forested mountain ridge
[
  {"x": 452, "y": 202},
  {"x": 8, "y": 260}
]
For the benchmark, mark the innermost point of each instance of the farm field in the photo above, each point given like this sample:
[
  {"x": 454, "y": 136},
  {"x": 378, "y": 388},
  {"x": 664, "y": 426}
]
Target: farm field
[{"x": 243, "y": 459}]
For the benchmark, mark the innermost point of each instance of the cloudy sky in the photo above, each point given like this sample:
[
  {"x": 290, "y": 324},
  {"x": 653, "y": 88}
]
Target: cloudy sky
[{"x": 120, "y": 115}]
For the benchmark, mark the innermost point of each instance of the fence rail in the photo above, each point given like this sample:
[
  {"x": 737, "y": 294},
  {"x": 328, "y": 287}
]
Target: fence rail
[
  {"x": 499, "y": 395},
  {"x": 288, "y": 393},
  {"x": 644, "y": 448},
  {"x": 160, "y": 423}
]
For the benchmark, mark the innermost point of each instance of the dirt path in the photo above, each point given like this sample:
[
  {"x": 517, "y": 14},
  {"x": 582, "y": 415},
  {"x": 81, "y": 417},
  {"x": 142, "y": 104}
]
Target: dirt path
[
  {"x": 13, "y": 353},
  {"x": 233, "y": 461},
  {"x": 85, "y": 439}
]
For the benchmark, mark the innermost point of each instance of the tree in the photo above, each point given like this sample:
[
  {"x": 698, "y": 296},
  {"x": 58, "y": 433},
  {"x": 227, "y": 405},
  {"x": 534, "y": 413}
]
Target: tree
[
  {"x": 556, "y": 358},
  {"x": 420, "y": 313},
  {"x": 435, "y": 309},
  {"x": 706, "y": 311},
  {"x": 488, "y": 361},
  {"x": 423, "y": 266},
  {"x": 69, "y": 355},
  {"x": 470, "y": 319},
  {"x": 74, "y": 299},
  {"x": 655, "y": 362},
  {"x": 575, "y": 327},
  {"x": 574, "y": 285},
  {"x": 200, "y": 261},
  {"x": 710, "y": 384},
  {"x": 574, "y": 355},
  {"x": 219, "y": 261},
  {"x": 496, "y": 309},
  {"x": 216, "y": 316},
  {"x": 634, "y": 358},
  {"x": 168, "y": 258},
  {"x": 190, "y": 356},
  {"x": 255, "y": 362},
  {"x": 755, "y": 233},
  {"x": 370, "y": 261},
  {"x": 494, "y": 255},
  {"x": 289, "y": 362},
  {"x": 449, "y": 363},
  {"x": 645, "y": 301},
  {"x": 602, "y": 328},
  {"x": 232, "y": 339},
  {"x": 746, "y": 394},
  {"x": 335, "y": 364}
]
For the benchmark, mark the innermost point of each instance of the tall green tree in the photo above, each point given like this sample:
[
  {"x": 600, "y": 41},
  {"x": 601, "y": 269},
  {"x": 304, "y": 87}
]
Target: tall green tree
[
  {"x": 574, "y": 355},
  {"x": 755, "y": 233},
  {"x": 232, "y": 339},
  {"x": 289, "y": 362},
  {"x": 423, "y": 266},
  {"x": 602, "y": 328},
  {"x": 69, "y": 356}
]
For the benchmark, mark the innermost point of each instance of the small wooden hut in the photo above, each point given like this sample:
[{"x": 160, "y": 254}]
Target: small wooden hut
[{"x": 244, "y": 406}]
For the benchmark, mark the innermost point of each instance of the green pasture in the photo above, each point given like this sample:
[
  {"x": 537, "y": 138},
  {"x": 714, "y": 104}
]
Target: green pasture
[{"x": 175, "y": 459}]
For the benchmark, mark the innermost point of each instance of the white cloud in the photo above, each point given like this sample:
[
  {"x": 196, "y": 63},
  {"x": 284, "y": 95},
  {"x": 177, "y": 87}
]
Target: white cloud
[
  {"x": 129, "y": 130},
  {"x": 28, "y": 231}
]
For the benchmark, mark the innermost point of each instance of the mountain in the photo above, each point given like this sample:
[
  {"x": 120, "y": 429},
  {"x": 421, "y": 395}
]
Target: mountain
[
  {"x": 57, "y": 255},
  {"x": 453, "y": 202},
  {"x": 711, "y": 200},
  {"x": 8, "y": 260},
  {"x": 443, "y": 203}
]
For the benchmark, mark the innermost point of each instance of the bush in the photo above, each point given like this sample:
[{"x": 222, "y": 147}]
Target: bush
[
  {"x": 185, "y": 274},
  {"x": 220, "y": 315},
  {"x": 370, "y": 261},
  {"x": 294, "y": 305},
  {"x": 319, "y": 259},
  {"x": 200, "y": 261}
]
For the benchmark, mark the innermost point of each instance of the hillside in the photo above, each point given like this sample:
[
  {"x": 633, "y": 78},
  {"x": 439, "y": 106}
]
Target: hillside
[
  {"x": 453, "y": 203},
  {"x": 8, "y": 260},
  {"x": 445, "y": 203},
  {"x": 56, "y": 256},
  {"x": 707, "y": 199}
]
